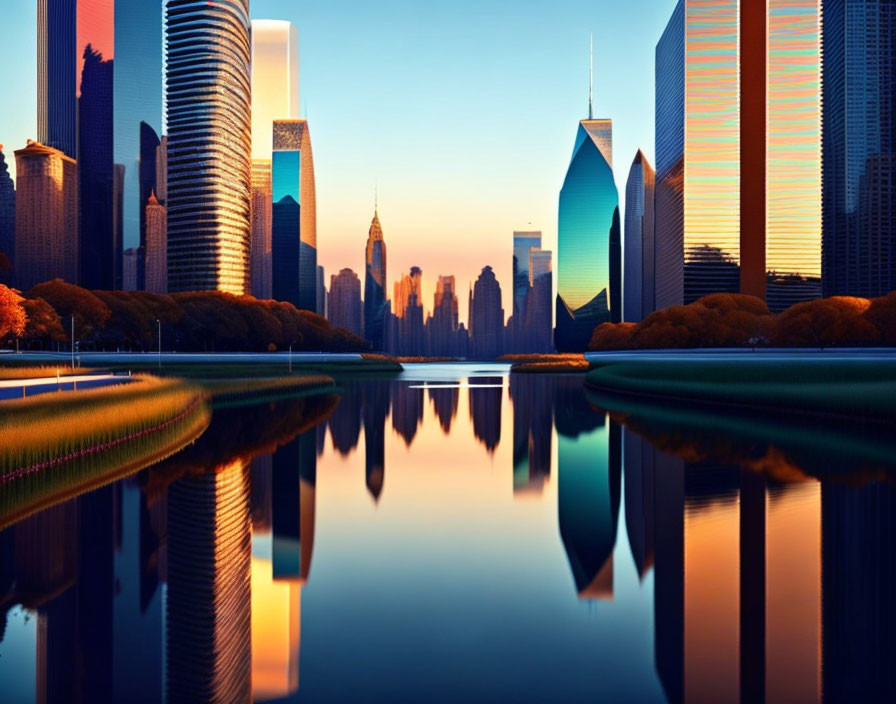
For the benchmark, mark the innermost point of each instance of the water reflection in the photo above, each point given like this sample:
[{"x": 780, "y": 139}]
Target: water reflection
[{"x": 598, "y": 554}]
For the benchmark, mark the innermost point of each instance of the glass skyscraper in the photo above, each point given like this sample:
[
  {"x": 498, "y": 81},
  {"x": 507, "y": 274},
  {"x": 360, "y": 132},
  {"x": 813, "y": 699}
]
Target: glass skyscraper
[
  {"x": 639, "y": 264},
  {"x": 209, "y": 145},
  {"x": 375, "y": 303},
  {"x": 738, "y": 140},
  {"x": 138, "y": 116},
  {"x": 522, "y": 243},
  {"x": 589, "y": 264},
  {"x": 859, "y": 147},
  {"x": 294, "y": 227}
]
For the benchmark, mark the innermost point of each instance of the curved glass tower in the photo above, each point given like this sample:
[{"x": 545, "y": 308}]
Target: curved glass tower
[
  {"x": 209, "y": 144},
  {"x": 375, "y": 302},
  {"x": 588, "y": 240}
]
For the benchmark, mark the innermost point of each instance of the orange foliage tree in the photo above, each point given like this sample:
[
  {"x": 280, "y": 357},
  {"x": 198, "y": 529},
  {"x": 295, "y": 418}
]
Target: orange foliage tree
[
  {"x": 44, "y": 325},
  {"x": 12, "y": 315},
  {"x": 828, "y": 321}
]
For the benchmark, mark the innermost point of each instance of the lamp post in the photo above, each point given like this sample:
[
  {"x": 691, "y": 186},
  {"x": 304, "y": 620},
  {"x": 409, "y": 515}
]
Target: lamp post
[
  {"x": 73, "y": 342},
  {"x": 159, "y": 323}
]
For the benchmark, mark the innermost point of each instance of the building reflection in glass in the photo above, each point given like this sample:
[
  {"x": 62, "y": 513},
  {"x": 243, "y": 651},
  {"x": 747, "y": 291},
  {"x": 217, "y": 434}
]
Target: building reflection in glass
[{"x": 532, "y": 430}]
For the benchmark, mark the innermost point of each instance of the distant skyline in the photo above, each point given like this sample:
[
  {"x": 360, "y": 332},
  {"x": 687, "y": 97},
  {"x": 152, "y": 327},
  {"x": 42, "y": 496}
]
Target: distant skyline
[{"x": 462, "y": 115}]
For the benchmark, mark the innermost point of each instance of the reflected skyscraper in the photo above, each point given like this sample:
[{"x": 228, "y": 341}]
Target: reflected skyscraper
[
  {"x": 444, "y": 402},
  {"x": 375, "y": 303},
  {"x": 294, "y": 229},
  {"x": 7, "y": 216},
  {"x": 407, "y": 410},
  {"x": 738, "y": 152},
  {"x": 859, "y": 148},
  {"x": 532, "y": 430},
  {"x": 275, "y": 96},
  {"x": 374, "y": 408},
  {"x": 209, "y": 142},
  {"x": 138, "y": 113},
  {"x": 640, "y": 258},
  {"x": 589, "y": 276},
  {"x": 293, "y": 495},
  {"x": 639, "y": 470},
  {"x": 345, "y": 423},
  {"x": 485, "y": 411}
]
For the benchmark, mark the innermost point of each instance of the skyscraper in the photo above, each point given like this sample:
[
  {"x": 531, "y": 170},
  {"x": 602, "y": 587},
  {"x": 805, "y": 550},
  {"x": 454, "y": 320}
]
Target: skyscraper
[
  {"x": 275, "y": 96},
  {"x": 442, "y": 325},
  {"x": 486, "y": 317},
  {"x": 538, "y": 320},
  {"x": 137, "y": 113},
  {"x": 209, "y": 144},
  {"x": 321, "y": 292},
  {"x": 408, "y": 300},
  {"x": 522, "y": 243},
  {"x": 46, "y": 216},
  {"x": 156, "y": 246},
  {"x": 345, "y": 302},
  {"x": 588, "y": 240},
  {"x": 859, "y": 147},
  {"x": 639, "y": 269},
  {"x": 294, "y": 220},
  {"x": 375, "y": 303},
  {"x": 7, "y": 216},
  {"x": 738, "y": 160}
]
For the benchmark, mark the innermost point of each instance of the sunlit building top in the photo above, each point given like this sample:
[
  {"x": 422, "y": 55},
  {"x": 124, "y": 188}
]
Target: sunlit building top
[{"x": 275, "y": 80}]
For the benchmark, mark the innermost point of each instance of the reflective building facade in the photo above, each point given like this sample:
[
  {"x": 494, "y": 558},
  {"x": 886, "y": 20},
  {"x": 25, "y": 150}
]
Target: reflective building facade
[
  {"x": 294, "y": 224},
  {"x": 522, "y": 243},
  {"x": 209, "y": 143},
  {"x": 859, "y": 147},
  {"x": 138, "y": 113},
  {"x": 375, "y": 303},
  {"x": 738, "y": 160},
  {"x": 7, "y": 216},
  {"x": 639, "y": 266},
  {"x": 589, "y": 263}
]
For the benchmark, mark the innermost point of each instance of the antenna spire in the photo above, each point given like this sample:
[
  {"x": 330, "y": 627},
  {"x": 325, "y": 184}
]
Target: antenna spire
[
  {"x": 591, "y": 80},
  {"x": 376, "y": 198}
]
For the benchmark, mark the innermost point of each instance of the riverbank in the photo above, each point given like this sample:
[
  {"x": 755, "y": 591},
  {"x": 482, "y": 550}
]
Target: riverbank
[
  {"x": 850, "y": 386},
  {"x": 546, "y": 363}
]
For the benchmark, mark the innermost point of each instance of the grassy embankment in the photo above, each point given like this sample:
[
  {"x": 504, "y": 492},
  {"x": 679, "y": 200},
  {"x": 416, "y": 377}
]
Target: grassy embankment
[
  {"x": 546, "y": 363},
  {"x": 848, "y": 388},
  {"x": 55, "y": 446},
  {"x": 16, "y": 373}
]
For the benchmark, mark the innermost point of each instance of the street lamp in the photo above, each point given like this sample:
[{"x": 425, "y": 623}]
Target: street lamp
[
  {"x": 73, "y": 342},
  {"x": 159, "y": 323}
]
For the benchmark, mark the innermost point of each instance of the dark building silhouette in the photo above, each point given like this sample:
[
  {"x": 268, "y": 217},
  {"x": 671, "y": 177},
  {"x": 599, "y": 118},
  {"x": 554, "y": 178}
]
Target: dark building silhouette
[
  {"x": 375, "y": 303},
  {"x": 640, "y": 256},
  {"x": 406, "y": 325},
  {"x": 532, "y": 429},
  {"x": 407, "y": 410},
  {"x": 57, "y": 75},
  {"x": 99, "y": 249},
  {"x": 538, "y": 329},
  {"x": 344, "y": 309},
  {"x": 345, "y": 422},
  {"x": 374, "y": 409},
  {"x": 486, "y": 317},
  {"x": 147, "y": 177},
  {"x": 294, "y": 469},
  {"x": 7, "y": 219},
  {"x": 444, "y": 402},
  {"x": 442, "y": 326},
  {"x": 858, "y": 148},
  {"x": 485, "y": 410}
]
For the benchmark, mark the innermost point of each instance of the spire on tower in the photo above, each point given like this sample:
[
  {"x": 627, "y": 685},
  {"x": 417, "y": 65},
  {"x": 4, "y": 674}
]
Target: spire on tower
[{"x": 591, "y": 79}]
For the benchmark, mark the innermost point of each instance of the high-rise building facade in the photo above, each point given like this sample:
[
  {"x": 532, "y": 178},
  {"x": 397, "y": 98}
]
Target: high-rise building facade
[
  {"x": 859, "y": 147},
  {"x": 261, "y": 264},
  {"x": 156, "y": 246},
  {"x": 345, "y": 302},
  {"x": 75, "y": 52},
  {"x": 522, "y": 243},
  {"x": 539, "y": 318},
  {"x": 738, "y": 152},
  {"x": 137, "y": 115},
  {"x": 7, "y": 218},
  {"x": 275, "y": 96},
  {"x": 442, "y": 325},
  {"x": 639, "y": 264},
  {"x": 46, "y": 216},
  {"x": 408, "y": 328},
  {"x": 209, "y": 145},
  {"x": 375, "y": 302},
  {"x": 589, "y": 243},
  {"x": 294, "y": 220},
  {"x": 486, "y": 317}
]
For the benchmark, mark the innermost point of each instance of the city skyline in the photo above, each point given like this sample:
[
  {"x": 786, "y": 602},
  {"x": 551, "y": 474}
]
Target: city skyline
[{"x": 356, "y": 71}]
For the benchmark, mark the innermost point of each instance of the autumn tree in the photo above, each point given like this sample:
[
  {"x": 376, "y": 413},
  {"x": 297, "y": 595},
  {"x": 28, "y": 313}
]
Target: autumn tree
[
  {"x": 68, "y": 300},
  {"x": 44, "y": 325},
  {"x": 12, "y": 315}
]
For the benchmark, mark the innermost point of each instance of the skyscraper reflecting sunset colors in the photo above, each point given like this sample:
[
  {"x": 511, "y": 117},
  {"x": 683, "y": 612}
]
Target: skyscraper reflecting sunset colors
[
  {"x": 588, "y": 240},
  {"x": 738, "y": 152},
  {"x": 209, "y": 142},
  {"x": 375, "y": 303},
  {"x": 294, "y": 229}
]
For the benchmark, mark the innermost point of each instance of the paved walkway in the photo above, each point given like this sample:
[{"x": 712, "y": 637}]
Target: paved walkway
[{"x": 19, "y": 388}]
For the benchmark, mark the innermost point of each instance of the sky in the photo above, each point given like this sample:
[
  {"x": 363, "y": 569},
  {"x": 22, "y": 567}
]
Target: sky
[{"x": 461, "y": 115}]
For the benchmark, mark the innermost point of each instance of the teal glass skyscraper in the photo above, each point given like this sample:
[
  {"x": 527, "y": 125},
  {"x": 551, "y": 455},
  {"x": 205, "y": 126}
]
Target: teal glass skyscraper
[
  {"x": 294, "y": 229},
  {"x": 588, "y": 240}
]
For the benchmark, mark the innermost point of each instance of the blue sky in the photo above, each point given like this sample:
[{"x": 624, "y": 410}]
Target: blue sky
[{"x": 463, "y": 113}]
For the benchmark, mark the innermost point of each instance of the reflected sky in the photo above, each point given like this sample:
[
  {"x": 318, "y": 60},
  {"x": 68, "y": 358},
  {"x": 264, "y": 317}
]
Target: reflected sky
[{"x": 454, "y": 534}]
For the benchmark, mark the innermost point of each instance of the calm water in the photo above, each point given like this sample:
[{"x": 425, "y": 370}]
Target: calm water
[{"x": 461, "y": 535}]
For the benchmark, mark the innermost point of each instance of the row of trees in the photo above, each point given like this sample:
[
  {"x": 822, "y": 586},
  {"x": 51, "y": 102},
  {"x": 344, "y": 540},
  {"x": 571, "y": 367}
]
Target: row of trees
[
  {"x": 207, "y": 321},
  {"x": 735, "y": 320}
]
